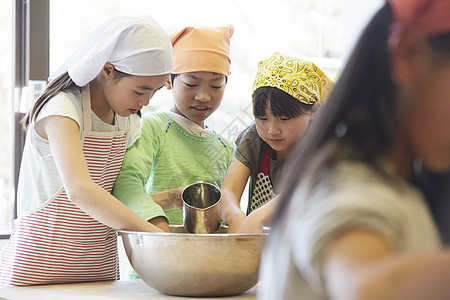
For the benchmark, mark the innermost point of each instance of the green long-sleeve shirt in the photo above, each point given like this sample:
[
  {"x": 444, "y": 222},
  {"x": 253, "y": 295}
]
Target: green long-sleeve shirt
[{"x": 167, "y": 156}]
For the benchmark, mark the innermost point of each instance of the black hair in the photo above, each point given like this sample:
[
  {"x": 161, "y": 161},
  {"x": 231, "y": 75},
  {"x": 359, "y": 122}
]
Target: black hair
[
  {"x": 60, "y": 84},
  {"x": 359, "y": 120},
  {"x": 172, "y": 77},
  {"x": 281, "y": 103}
]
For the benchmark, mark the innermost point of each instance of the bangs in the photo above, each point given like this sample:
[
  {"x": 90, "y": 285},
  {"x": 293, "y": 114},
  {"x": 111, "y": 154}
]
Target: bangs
[{"x": 281, "y": 103}]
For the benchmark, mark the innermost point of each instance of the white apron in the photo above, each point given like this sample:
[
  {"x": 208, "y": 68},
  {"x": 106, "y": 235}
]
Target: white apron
[
  {"x": 59, "y": 242},
  {"x": 263, "y": 190}
]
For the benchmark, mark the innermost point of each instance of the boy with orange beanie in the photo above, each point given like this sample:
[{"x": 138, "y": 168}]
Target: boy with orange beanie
[{"x": 176, "y": 147}]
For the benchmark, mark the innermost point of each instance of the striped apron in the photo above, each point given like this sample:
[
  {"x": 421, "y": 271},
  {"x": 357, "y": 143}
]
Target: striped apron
[{"x": 59, "y": 242}]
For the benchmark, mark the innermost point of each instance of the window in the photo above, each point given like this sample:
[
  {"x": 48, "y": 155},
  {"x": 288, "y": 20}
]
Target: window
[
  {"x": 6, "y": 118},
  {"x": 309, "y": 29}
]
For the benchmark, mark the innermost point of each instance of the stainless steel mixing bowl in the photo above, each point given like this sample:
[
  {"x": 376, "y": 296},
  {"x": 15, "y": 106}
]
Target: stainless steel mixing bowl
[{"x": 185, "y": 264}]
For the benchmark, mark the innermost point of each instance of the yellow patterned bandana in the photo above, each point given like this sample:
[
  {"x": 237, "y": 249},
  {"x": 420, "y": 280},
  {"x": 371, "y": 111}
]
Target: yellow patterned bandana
[{"x": 301, "y": 79}]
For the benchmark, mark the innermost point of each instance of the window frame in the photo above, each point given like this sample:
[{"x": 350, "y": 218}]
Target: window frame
[{"x": 31, "y": 62}]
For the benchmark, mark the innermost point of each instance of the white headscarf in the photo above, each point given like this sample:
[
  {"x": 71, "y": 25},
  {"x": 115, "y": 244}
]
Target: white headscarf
[{"x": 134, "y": 45}]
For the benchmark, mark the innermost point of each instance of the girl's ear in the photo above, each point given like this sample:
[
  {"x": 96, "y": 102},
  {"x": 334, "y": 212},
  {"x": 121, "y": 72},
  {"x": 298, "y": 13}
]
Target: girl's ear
[
  {"x": 315, "y": 110},
  {"x": 168, "y": 84},
  {"x": 108, "y": 70},
  {"x": 407, "y": 54}
]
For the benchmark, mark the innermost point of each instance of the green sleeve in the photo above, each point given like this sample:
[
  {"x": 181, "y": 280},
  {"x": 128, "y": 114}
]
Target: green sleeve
[{"x": 130, "y": 185}]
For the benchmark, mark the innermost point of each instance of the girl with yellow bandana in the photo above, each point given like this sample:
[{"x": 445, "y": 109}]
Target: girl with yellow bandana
[{"x": 287, "y": 95}]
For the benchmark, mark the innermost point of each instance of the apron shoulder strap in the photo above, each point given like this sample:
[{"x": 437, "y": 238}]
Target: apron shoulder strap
[{"x": 86, "y": 102}]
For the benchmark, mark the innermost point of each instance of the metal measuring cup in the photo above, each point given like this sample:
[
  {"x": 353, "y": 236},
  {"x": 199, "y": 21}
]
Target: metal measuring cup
[{"x": 201, "y": 207}]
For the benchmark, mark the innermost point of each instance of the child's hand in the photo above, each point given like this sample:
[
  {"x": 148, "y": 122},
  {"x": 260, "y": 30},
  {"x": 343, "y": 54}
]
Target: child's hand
[
  {"x": 175, "y": 197},
  {"x": 253, "y": 223},
  {"x": 261, "y": 216},
  {"x": 169, "y": 198},
  {"x": 235, "y": 222}
]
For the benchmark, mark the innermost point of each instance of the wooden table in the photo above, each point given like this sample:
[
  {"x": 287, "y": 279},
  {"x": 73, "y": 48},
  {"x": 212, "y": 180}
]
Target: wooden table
[{"x": 120, "y": 289}]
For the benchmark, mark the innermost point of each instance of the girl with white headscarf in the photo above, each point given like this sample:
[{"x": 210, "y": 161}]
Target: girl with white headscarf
[{"x": 78, "y": 131}]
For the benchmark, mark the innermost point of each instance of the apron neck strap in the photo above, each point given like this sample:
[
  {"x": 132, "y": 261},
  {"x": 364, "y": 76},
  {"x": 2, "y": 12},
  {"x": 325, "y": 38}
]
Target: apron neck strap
[{"x": 265, "y": 165}]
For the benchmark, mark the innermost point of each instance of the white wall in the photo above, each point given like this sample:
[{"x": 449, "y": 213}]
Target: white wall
[
  {"x": 2, "y": 244},
  {"x": 356, "y": 15}
]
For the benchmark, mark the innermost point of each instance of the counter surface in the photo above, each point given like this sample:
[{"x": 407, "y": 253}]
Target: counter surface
[{"x": 120, "y": 289}]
